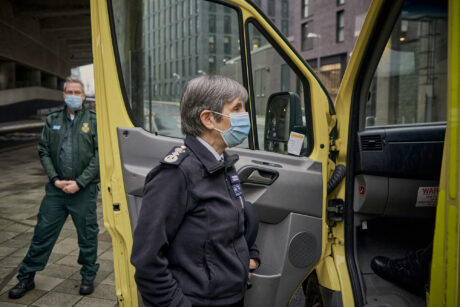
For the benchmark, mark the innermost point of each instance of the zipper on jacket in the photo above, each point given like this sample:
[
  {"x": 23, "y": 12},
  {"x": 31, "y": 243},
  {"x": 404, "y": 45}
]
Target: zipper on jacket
[
  {"x": 59, "y": 148},
  {"x": 77, "y": 152},
  {"x": 237, "y": 224}
]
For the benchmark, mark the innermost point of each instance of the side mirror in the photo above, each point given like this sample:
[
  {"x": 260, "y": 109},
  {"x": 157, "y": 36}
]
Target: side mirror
[{"x": 283, "y": 116}]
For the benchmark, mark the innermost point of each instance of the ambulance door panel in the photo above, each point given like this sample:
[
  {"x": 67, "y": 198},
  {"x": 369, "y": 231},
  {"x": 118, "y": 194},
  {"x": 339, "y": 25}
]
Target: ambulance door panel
[
  {"x": 285, "y": 186},
  {"x": 290, "y": 211},
  {"x": 140, "y": 151}
]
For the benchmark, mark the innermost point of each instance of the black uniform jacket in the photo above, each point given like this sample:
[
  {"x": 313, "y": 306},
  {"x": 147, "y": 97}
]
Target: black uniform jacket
[{"x": 189, "y": 246}]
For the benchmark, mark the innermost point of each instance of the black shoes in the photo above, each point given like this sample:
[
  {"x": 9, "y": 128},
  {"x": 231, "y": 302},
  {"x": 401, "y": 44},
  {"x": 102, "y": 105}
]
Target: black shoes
[
  {"x": 409, "y": 272},
  {"x": 21, "y": 288},
  {"x": 87, "y": 287}
]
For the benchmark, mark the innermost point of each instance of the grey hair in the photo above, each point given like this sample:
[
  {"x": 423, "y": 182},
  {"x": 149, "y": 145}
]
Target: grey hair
[
  {"x": 207, "y": 93},
  {"x": 72, "y": 79}
]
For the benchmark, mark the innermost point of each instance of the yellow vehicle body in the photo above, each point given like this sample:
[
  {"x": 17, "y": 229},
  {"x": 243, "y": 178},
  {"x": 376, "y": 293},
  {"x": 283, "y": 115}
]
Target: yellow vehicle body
[
  {"x": 445, "y": 268},
  {"x": 331, "y": 269}
]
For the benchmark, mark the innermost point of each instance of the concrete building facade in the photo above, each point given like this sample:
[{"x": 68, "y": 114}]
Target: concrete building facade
[{"x": 40, "y": 42}]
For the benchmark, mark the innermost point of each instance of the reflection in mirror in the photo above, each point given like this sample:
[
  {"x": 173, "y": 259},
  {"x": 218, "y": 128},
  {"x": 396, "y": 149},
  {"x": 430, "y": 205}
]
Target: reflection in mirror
[{"x": 284, "y": 118}]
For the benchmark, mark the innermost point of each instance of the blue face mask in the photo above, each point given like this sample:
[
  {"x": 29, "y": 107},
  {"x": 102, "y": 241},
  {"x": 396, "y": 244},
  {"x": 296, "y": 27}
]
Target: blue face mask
[
  {"x": 73, "y": 102},
  {"x": 239, "y": 130}
]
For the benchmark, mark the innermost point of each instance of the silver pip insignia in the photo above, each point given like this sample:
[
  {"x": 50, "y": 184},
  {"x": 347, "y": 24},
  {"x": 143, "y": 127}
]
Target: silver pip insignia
[{"x": 171, "y": 158}]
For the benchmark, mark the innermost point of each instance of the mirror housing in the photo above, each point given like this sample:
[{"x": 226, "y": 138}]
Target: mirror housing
[{"x": 283, "y": 115}]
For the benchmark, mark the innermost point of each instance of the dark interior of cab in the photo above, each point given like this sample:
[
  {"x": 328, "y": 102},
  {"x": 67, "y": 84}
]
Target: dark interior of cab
[
  {"x": 395, "y": 146},
  {"x": 390, "y": 218}
]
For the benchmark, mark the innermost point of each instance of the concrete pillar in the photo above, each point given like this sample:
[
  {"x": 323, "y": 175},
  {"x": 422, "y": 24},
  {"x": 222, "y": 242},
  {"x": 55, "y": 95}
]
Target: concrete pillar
[
  {"x": 34, "y": 77},
  {"x": 7, "y": 75},
  {"x": 49, "y": 81}
]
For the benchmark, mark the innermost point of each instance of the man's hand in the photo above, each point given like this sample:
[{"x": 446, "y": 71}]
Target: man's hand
[
  {"x": 253, "y": 265},
  {"x": 60, "y": 184},
  {"x": 71, "y": 187}
]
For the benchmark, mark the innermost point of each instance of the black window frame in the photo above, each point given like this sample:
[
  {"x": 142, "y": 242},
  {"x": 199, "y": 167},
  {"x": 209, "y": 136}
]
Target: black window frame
[
  {"x": 337, "y": 26},
  {"x": 305, "y": 42},
  {"x": 305, "y": 3}
]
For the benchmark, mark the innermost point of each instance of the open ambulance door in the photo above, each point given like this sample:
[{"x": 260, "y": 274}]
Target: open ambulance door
[
  {"x": 353, "y": 121},
  {"x": 140, "y": 68}
]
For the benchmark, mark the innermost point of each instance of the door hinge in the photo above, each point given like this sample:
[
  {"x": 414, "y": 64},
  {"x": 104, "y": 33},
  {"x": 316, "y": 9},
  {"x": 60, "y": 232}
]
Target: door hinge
[
  {"x": 335, "y": 209},
  {"x": 333, "y": 152}
]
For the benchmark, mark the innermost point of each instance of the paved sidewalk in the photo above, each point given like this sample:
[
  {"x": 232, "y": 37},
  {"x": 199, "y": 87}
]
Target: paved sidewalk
[{"x": 22, "y": 186}]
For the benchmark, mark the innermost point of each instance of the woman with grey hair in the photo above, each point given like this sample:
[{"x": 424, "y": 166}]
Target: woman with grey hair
[{"x": 189, "y": 247}]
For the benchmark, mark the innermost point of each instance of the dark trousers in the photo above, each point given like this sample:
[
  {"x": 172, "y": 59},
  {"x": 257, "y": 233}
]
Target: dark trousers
[
  {"x": 54, "y": 209},
  {"x": 424, "y": 255},
  {"x": 238, "y": 304}
]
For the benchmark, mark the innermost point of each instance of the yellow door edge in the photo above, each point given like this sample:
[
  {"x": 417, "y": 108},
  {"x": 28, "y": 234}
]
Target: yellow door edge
[
  {"x": 117, "y": 223},
  {"x": 445, "y": 271}
]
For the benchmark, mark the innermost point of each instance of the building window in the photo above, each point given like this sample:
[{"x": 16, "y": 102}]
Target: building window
[
  {"x": 227, "y": 45},
  {"x": 255, "y": 43},
  {"x": 285, "y": 27},
  {"x": 212, "y": 65},
  {"x": 285, "y": 9},
  {"x": 306, "y": 41},
  {"x": 184, "y": 9},
  {"x": 305, "y": 7},
  {"x": 340, "y": 2},
  {"x": 340, "y": 26},
  {"x": 192, "y": 7},
  {"x": 212, "y": 23},
  {"x": 260, "y": 79},
  {"x": 212, "y": 7},
  {"x": 271, "y": 8},
  {"x": 227, "y": 25},
  {"x": 212, "y": 44}
]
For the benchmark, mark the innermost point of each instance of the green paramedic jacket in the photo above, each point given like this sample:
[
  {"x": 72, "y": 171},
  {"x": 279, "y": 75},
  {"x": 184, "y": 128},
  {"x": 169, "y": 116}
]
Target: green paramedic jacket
[{"x": 85, "y": 157}]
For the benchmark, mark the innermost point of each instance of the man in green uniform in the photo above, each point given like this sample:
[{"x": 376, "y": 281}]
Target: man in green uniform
[{"x": 69, "y": 154}]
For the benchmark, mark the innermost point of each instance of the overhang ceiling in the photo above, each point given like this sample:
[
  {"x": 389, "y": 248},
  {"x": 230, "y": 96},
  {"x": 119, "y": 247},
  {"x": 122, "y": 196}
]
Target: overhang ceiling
[{"x": 68, "y": 21}]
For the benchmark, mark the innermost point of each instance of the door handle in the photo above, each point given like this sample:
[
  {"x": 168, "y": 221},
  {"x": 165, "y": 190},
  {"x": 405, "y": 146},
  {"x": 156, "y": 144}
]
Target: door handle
[{"x": 257, "y": 175}]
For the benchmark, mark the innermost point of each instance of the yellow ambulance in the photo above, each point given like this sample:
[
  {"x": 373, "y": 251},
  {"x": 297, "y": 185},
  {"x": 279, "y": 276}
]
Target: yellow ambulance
[{"x": 373, "y": 173}]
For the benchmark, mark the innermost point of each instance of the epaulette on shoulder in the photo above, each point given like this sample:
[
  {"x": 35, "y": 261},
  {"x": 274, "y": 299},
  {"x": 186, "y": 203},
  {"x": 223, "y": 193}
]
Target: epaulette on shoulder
[
  {"x": 92, "y": 111},
  {"x": 176, "y": 155}
]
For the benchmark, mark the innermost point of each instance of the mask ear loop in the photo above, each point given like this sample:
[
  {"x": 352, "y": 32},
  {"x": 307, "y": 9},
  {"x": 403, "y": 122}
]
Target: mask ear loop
[
  {"x": 221, "y": 114},
  {"x": 215, "y": 119}
]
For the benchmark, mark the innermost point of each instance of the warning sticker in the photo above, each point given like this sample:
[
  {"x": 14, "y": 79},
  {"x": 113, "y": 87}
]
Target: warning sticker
[
  {"x": 295, "y": 143},
  {"x": 427, "y": 197}
]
